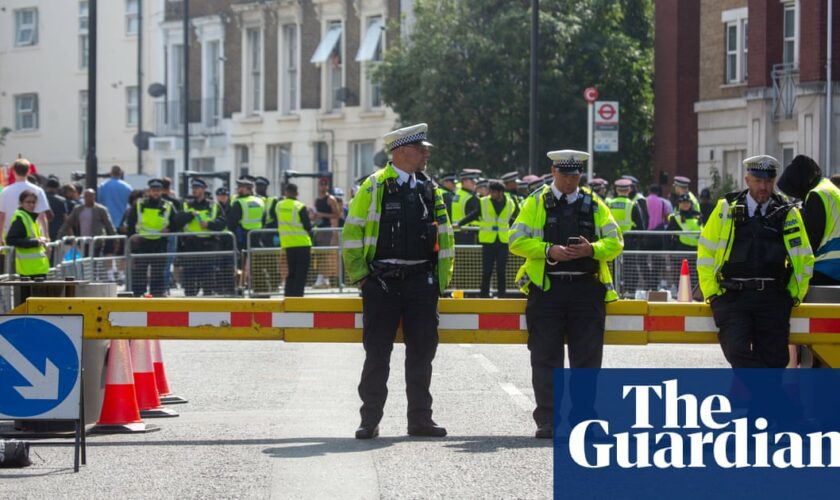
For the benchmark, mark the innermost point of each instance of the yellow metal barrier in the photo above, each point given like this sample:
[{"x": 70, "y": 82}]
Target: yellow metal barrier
[{"x": 476, "y": 321}]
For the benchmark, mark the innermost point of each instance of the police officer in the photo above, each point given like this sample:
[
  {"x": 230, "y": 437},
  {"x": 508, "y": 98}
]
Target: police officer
[
  {"x": 754, "y": 262},
  {"x": 200, "y": 215},
  {"x": 294, "y": 228},
  {"x": 567, "y": 236},
  {"x": 223, "y": 198},
  {"x": 511, "y": 183},
  {"x": 624, "y": 209},
  {"x": 465, "y": 202},
  {"x": 267, "y": 267},
  {"x": 497, "y": 210},
  {"x": 638, "y": 198},
  {"x": 150, "y": 218},
  {"x": 599, "y": 186},
  {"x": 685, "y": 219},
  {"x": 449, "y": 187},
  {"x": 803, "y": 180},
  {"x": 681, "y": 187},
  {"x": 402, "y": 264},
  {"x": 245, "y": 215}
]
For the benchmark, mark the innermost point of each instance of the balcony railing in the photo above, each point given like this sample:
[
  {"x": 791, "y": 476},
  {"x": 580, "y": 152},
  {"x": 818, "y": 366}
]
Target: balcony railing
[
  {"x": 205, "y": 117},
  {"x": 785, "y": 79}
]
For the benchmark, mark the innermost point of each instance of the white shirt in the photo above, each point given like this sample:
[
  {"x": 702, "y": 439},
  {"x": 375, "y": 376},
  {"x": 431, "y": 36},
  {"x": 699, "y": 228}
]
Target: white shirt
[
  {"x": 402, "y": 177},
  {"x": 9, "y": 200},
  {"x": 570, "y": 198},
  {"x": 751, "y": 204}
]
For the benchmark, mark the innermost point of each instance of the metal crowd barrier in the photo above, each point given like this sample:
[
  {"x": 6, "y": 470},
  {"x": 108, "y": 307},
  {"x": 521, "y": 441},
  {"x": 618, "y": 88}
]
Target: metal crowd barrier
[
  {"x": 651, "y": 261},
  {"x": 197, "y": 266}
]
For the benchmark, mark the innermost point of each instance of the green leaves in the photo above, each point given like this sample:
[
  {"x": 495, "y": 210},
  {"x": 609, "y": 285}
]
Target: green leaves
[{"x": 465, "y": 71}]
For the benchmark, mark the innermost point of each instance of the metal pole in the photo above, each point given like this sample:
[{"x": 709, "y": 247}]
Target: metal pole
[
  {"x": 139, "y": 86},
  {"x": 534, "y": 125},
  {"x": 186, "y": 95},
  {"x": 829, "y": 167},
  {"x": 590, "y": 166},
  {"x": 91, "y": 166}
]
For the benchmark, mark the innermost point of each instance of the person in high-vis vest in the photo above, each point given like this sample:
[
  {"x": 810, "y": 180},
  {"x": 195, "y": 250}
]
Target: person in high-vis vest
[
  {"x": 497, "y": 211},
  {"x": 201, "y": 215},
  {"x": 628, "y": 215},
  {"x": 511, "y": 184},
  {"x": 25, "y": 236},
  {"x": 803, "y": 180},
  {"x": 399, "y": 250},
  {"x": 599, "y": 186},
  {"x": 294, "y": 228},
  {"x": 682, "y": 186},
  {"x": 638, "y": 198},
  {"x": 266, "y": 266},
  {"x": 464, "y": 203},
  {"x": 567, "y": 236},
  {"x": 448, "y": 189},
  {"x": 150, "y": 218},
  {"x": 688, "y": 220},
  {"x": 245, "y": 215},
  {"x": 754, "y": 262}
]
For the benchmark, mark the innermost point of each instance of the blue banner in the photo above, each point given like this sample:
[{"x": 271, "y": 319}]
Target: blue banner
[{"x": 696, "y": 433}]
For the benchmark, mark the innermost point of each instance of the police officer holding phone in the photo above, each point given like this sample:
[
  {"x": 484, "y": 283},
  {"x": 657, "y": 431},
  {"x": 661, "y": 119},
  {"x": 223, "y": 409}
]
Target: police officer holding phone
[{"x": 567, "y": 235}]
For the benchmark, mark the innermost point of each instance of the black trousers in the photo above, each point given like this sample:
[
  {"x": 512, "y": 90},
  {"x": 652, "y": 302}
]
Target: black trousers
[
  {"x": 198, "y": 270},
  {"x": 570, "y": 312},
  {"x": 297, "y": 258},
  {"x": 754, "y": 327},
  {"x": 493, "y": 254},
  {"x": 413, "y": 300},
  {"x": 153, "y": 265}
]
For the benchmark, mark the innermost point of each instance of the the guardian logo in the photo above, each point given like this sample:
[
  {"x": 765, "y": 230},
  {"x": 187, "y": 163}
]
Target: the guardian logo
[{"x": 696, "y": 433}]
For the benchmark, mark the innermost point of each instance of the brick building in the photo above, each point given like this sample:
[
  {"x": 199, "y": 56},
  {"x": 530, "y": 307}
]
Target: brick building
[
  {"x": 276, "y": 85},
  {"x": 736, "y": 78}
]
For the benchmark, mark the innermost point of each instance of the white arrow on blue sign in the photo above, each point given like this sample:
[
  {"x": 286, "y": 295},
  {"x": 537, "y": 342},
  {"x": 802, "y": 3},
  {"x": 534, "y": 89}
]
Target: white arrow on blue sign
[{"x": 40, "y": 363}]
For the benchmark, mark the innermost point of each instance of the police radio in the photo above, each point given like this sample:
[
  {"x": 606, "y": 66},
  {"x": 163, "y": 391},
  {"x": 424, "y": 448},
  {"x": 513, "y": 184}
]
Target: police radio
[{"x": 739, "y": 213}]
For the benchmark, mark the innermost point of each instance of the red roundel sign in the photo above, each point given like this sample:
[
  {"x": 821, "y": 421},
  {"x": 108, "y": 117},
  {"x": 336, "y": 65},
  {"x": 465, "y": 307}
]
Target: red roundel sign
[
  {"x": 606, "y": 112},
  {"x": 590, "y": 94}
]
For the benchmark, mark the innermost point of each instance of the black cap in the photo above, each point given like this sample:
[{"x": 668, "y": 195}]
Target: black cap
[
  {"x": 448, "y": 177},
  {"x": 53, "y": 183},
  {"x": 196, "y": 182},
  {"x": 223, "y": 191},
  {"x": 260, "y": 180},
  {"x": 155, "y": 183}
]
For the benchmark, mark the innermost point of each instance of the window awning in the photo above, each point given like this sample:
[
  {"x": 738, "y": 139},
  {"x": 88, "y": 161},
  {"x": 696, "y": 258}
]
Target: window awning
[
  {"x": 325, "y": 48},
  {"x": 370, "y": 43}
]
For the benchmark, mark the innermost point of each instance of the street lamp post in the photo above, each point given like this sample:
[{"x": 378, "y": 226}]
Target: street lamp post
[
  {"x": 91, "y": 164},
  {"x": 534, "y": 125},
  {"x": 186, "y": 96}
]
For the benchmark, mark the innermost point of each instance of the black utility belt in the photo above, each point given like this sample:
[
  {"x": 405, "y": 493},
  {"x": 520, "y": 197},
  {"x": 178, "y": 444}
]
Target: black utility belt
[
  {"x": 571, "y": 277},
  {"x": 755, "y": 284},
  {"x": 399, "y": 271}
]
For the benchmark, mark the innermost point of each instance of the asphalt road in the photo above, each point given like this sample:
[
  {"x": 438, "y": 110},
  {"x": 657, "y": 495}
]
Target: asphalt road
[{"x": 276, "y": 420}]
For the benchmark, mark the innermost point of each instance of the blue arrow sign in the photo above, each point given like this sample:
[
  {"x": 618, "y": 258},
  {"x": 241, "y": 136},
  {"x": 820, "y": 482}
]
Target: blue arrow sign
[{"x": 39, "y": 366}]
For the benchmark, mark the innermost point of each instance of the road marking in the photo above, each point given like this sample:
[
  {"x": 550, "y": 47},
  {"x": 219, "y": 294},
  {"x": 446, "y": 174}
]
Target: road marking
[
  {"x": 516, "y": 395},
  {"x": 485, "y": 363}
]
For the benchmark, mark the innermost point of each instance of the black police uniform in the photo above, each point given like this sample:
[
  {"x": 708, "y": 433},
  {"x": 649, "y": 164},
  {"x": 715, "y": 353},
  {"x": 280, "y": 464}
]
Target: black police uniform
[
  {"x": 572, "y": 309},
  {"x": 394, "y": 292},
  {"x": 448, "y": 196},
  {"x": 199, "y": 270},
  {"x": 154, "y": 265},
  {"x": 471, "y": 209},
  {"x": 754, "y": 323}
]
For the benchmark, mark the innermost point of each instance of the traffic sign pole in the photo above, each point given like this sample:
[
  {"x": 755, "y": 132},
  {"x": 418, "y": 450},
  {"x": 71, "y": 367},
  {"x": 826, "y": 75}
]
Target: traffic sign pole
[{"x": 590, "y": 167}]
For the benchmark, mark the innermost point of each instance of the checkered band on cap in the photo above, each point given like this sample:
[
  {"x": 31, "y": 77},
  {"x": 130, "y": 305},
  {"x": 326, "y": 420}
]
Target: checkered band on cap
[{"x": 409, "y": 139}]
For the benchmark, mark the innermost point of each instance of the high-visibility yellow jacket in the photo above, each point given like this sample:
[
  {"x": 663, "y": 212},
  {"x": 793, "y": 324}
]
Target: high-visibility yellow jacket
[
  {"x": 621, "y": 208},
  {"x": 459, "y": 205},
  {"x": 150, "y": 221},
  {"x": 207, "y": 215},
  {"x": 494, "y": 226},
  {"x": 253, "y": 209},
  {"x": 361, "y": 229},
  {"x": 289, "y": 225},
  {"x": 687, "y": 224},
  {"x": 30, "y": 261},
  {"x": 716, "y": 244},
  {"x": 827, "y": 250},
  {"x": 526, "y": 240}
]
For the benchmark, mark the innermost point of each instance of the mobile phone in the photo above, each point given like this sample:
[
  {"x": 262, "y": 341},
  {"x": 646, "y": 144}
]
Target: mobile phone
[{"x": 574, "y": 240}]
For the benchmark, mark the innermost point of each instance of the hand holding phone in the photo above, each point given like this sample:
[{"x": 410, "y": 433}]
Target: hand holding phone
[{"x": 573, "y": 240}]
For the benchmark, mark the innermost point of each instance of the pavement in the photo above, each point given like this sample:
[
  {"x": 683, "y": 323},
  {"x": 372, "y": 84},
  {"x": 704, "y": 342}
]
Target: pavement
[{"x": 276, "y": 420}]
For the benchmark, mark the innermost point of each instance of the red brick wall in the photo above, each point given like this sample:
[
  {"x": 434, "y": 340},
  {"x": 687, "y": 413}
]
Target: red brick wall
[
  {"x": 676, "y": 88},
  {"x": 765, "y": 40}
]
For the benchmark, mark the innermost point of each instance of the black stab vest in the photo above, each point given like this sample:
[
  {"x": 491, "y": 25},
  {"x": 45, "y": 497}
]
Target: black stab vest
[
  {"x": 406, "y": 229},
  {"x": 563, "y": 221}
]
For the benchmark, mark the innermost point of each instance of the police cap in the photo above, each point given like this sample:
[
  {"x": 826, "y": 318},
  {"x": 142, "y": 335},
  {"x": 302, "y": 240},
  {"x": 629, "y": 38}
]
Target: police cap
[
  {"x": 569, "y": 161},
  {"x": 155, "y": 183},
  {"x": 762, "y": 166},
  {"x": 407, "y": 135}
]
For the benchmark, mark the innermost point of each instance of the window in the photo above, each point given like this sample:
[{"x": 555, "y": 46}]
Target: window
[
  {"x": 745, "y": 46},
  {"x": 83, "y": 121},
  {"x": 175, "y": 109},
  {"x": 242, "y": 163},
  {"x": 787, "y": 154},
  {"x": 736, "y": 44},
  {"x": 168, "y": 168},
  {"x": 205, "y": 164},
  {"x": 329, "y": 53},
  {"x": 83, "y": 35},
  {"x": 279, "y": 161},
  {"x": 362, "y": 158},
  {"x": 131, "y": 106},
  {"x": 371, "y": 51},
  {"x": 212, "y": 109},
  {"x": 289, "y": 65},
  {"x": 26, "y": 112},
  {"x": 790, "y": 28},
  {"x": 132, "y": 18},
  {"x": 26, "y": 27},
  {"x": 253, "y": 69},
  {"x": 322, "y": 159}
]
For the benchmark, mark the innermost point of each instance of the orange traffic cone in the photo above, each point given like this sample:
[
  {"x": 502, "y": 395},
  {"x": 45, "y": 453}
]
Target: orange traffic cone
[
  {"x": 144, "y": 382},
  {"x": 684, "y": 292},
  {"x": 120, "y": 413},
  {"x": 166, "y": 396}
]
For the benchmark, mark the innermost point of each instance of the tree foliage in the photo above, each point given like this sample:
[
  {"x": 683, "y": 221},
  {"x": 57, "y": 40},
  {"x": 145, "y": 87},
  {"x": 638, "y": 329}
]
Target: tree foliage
[{"x": 465, "y": 71}]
